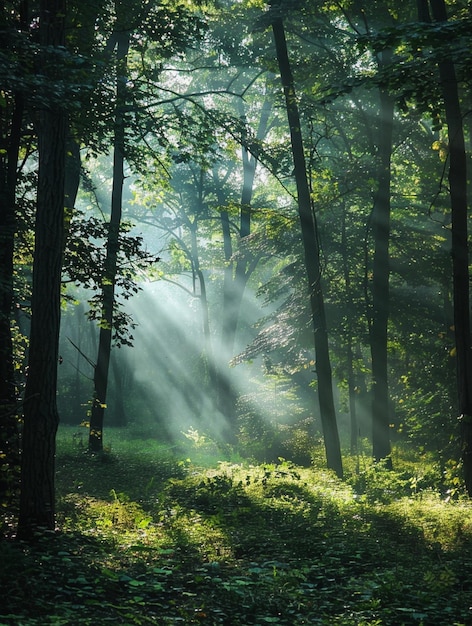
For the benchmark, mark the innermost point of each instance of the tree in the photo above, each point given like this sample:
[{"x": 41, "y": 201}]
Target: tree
[
  {"x": 120, "y": 39},
  {"x": 37, "y": 500},
  {"x": 378, "y": 318},
  {"x": 311, "y": 250},
  {"x": 419, "y": 49},
  {"x": 10, "y": 137},
  {"x": 380, "y": 283},
  {"x": 239, "y": 267},
  {"x": 459, "y": 246},
  {"x": 165, "y": 30}
]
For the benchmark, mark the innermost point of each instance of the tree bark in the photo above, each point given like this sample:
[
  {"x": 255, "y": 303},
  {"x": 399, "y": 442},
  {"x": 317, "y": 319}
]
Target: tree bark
[
  {"x": 10, "y": 137},
  {"x": 312, "y": 257},
  {"x": 459, "y": 248},
  {"x": 9, "y": 443},
  {"x": 37, "y": 500},
  {"x": 109, "y": 275},
  {"x": 380, "y": 285}
]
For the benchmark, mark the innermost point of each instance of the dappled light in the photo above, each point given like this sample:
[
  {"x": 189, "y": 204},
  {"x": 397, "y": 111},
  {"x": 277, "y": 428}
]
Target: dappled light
[
  {"x": 235, "y": 331},
  {"x": 161, "y": 540}
]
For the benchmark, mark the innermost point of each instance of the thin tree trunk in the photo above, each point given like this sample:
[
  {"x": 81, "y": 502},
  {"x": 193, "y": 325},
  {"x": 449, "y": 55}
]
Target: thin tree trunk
[
  {"x": 225, "y": 396},
  {"x": 109, "y": 275},
  {"x": 198, "y": 277},
  {"x": 235, "y": 281},
  {"x": 351, "y": 376},
  {"x": 380, "y": 285},
  {"x": 312, "y": 257},
  {"x": 236, "y": 285},
  {"x": 459, "y": 244},
  {"x": 37, "y": 500},
  {"x": 236, "y": 277}
]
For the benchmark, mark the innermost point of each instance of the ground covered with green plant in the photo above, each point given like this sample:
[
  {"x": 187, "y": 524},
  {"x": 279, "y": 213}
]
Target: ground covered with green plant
[{"x": 149, "y": 536}]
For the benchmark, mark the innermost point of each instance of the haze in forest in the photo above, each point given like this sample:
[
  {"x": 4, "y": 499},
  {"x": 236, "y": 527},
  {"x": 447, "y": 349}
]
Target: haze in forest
[
  {"x": 262, "y": 208},
  {"x": 159, "y": 389}
]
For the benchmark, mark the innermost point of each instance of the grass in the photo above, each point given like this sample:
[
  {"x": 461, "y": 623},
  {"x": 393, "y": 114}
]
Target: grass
[{"x": 151, "y": 535}]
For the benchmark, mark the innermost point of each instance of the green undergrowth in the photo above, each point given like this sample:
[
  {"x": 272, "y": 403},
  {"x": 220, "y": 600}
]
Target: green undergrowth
[{"x": 150, "y": 535}]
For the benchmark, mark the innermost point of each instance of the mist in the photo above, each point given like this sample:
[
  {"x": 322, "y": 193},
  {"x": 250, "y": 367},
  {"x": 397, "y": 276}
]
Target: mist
[{"x": 163, "y": 380}]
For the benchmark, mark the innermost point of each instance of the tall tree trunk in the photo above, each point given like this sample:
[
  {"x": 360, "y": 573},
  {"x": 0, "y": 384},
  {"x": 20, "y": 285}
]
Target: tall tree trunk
[
  {"x": 236, "y": 277},
  {"x": 380, "y": 283},
  {"x": 109, "y": 274},
  {"x": 241, "y": 272},
  {"x": 312, "y": 257},
  {"x": 10, "y": 138},
  {"x": 351, "y": 375},
  {"x": 237, "y": 274},
  {"x": 37, "y": 500},
  {"x": 199, "y": 278},
  {"x": 9, "y": 442},
  {"x": 225, "y": 395},
  {"x": 235, "y": 287},
  {"x": 459, "y": 246}
]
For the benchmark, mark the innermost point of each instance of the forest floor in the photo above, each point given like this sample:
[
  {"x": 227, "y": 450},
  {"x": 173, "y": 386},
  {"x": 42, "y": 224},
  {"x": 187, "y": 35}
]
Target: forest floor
[{"x": 148, "y": 536}]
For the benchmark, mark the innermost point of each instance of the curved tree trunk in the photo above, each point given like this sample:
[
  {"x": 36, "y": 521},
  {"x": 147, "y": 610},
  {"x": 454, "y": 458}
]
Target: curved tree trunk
[{"x": 312, "y": 257}]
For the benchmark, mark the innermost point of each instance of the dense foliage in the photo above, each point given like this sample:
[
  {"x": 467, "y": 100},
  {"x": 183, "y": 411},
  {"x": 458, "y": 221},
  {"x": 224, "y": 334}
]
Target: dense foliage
[{"x": 165, "y": 539}]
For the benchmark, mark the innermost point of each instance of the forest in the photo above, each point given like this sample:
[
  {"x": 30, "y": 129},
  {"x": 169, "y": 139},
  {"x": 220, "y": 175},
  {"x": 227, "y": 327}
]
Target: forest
[{"x": 235, "y": 343}]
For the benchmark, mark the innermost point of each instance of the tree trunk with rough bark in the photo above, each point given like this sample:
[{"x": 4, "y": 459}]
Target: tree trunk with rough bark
[
  {"x": 37, "y": 500},
  {"x": 459, "y": 248},
  {"x": 10, "y": 138},
  {"x": 9, "y": 442},
  {"x": 312, "y": 257}
]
